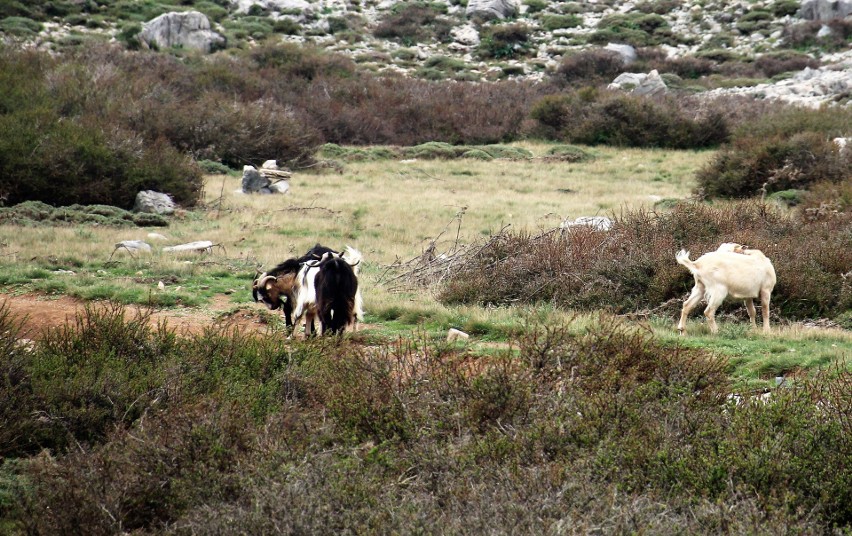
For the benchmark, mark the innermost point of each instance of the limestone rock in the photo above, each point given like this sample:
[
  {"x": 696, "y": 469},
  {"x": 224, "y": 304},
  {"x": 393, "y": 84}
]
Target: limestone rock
[
  {"x": 456, "y": 335},
  {"x": 491, "y": 9},
  {"x": 188, "y": 29},
  {"x": 627, "y": 52},
  {"x": 253, "y": 181},
  {"x": 825, "y": 9},
  {"x": 134, "y": 246},
  {"x": 640, "y": 83},
  {"x": 465, "y": 35},
  {"x": 154, "y": 202}
]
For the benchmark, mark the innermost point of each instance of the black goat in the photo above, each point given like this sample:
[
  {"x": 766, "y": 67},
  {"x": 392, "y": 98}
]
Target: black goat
[{"x": 336, "y": 287}]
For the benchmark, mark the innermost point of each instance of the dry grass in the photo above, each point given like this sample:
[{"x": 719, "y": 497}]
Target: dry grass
[{"x": 393, "y": 209}]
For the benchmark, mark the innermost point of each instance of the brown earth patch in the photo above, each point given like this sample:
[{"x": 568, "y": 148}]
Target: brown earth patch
[{"x": 38, "y": 312}]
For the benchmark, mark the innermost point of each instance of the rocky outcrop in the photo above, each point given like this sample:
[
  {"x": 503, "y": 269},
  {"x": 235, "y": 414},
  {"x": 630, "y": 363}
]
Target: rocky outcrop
[
  {"x": 189, "y": 29},
  {"x": 266, "y": 180},
  {"x": 153, "y": 202},
  {"x": 640, "y": 83},
  {"x": 491, "y": 9},
  {"x": 825, "y": 9},
  {"x": 811, "y": 88}
]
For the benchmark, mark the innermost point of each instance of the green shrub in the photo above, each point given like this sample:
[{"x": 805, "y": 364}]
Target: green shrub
[
  {"x": 637, "y": 29},
  {"x": 20, "y": 26},
  {"x": 214, "y": 168},
  {"x": 558, "y": 22},
  {"x": 414, "y": 22},
  {"x": 504, "y": 41},
  {"x": 477, "y": 154},
  {"x": 754, "y": 21},
  {"x": 783, "y": 8},
  {"x": 535, "y": 6},
  {"x": 569, "y": 153}
]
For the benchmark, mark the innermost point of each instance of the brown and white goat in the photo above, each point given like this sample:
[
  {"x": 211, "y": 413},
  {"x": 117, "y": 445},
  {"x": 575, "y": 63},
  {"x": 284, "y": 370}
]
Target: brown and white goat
[
  {"x": 277, "y": 288},
  {"x": 730, "y": 271}
]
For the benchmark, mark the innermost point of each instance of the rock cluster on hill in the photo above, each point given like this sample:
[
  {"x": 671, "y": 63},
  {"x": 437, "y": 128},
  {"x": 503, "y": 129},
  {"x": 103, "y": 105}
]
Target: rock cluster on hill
[{"x": 463, "y": 40}]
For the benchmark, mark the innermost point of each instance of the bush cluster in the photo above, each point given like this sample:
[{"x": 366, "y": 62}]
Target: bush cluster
[
  {"x": 632, "y": 267},
  {"x": 113, "y": 425},
  {"x": 415, "y": 22},
  {"x": 613, "y": 118},
  {"x": 788, "y": 148},
  {"x": 38, "y": 213}
]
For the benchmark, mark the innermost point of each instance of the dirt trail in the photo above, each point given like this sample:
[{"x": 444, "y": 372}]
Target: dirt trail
[{"x": 38, "y": 312}]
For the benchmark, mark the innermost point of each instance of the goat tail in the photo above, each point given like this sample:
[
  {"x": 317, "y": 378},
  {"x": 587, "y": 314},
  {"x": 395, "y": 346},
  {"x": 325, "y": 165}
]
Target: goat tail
[{"x": 682, "y": 257}]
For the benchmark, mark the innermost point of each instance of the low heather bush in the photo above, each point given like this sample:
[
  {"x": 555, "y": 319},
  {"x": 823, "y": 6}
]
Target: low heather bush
[
  {"x": 589, "y": 67},
  {"x": 597, "y": 427},
  {"x": 755, "y": 163},
  {"x": 504, "y": 41},
  {"x": 415, "y": 22},
  {"x": 592, "y": 118},
  {"x": 632, "y": 267}
]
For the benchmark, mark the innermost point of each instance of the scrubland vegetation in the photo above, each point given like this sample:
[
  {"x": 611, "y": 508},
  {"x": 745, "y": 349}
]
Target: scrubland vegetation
[{"x": 582, "y": 413}]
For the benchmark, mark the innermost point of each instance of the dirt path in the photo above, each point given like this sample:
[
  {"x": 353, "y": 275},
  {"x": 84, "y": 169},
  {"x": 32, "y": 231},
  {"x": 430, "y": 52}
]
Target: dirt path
[{"x": 38, "y": 312}]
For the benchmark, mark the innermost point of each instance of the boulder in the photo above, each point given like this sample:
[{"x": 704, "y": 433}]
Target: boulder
[
  {"x": 640, "y": 83},
  {"x": 825, "y": 9},
  {"x": 154, "y": 202},
  {"x": 188, "y": 29},
  {"x": 465, "y": 35},
  {"x": 253, "y": 181},
  {"x": 627, "y": 52},
  {"x": 600, "y": 223},
  {"x": 456, "y": 335},
  {"x": 200, "y": 246},
  {"x": 134, "y": 246},
  {"x": 491, "y": 9}
]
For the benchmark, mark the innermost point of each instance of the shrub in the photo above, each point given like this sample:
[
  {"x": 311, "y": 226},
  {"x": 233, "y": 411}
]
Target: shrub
[
  {"x": 754, "y": 164},
  {"x": 782, "y": 62},
  {"x": 20, "y": 26},
  {"x": 783, "y": 8},
  {"x": 805, "y": 34},
  {"x": 631, "y": 267},
  {"x": 616, "y": 119},
  {"x": 569, "y": 153},
  {"x": 589, "y": 67},
  {"x": 637, "y": 29},
  {"x": 558, "y": 22},
  {"x": 754, "y": 21},
  {"x": 504, "y": 41},
  {"x": 414, "y": 22}
]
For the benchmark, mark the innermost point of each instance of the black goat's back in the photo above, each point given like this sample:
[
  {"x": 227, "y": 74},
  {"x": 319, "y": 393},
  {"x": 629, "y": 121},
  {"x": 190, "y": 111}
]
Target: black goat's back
[{"x": 336, "y": 286}]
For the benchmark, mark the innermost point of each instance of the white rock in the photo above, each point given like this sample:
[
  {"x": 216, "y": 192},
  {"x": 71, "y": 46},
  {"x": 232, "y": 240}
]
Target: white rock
[
  {"x": 134, "y": 246},
  {"x": 187, "y": 29},
  {"x": 156, "y": 236},
  {"x": 600, "y": 223},
  {"x": 627, "y": 52},
  {"x": 455, "y": 335},
  {"x": 201, "y": 246},
  {"x": 466, "y": 35}
]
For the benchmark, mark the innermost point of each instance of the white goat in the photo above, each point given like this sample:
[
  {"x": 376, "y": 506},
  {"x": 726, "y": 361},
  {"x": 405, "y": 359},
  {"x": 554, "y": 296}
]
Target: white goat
[{"x": 731, "y": 270}]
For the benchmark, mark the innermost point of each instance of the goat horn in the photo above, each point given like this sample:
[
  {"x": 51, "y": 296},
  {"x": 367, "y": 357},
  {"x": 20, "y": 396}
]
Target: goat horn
[{"x": 263, "y": 282}]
